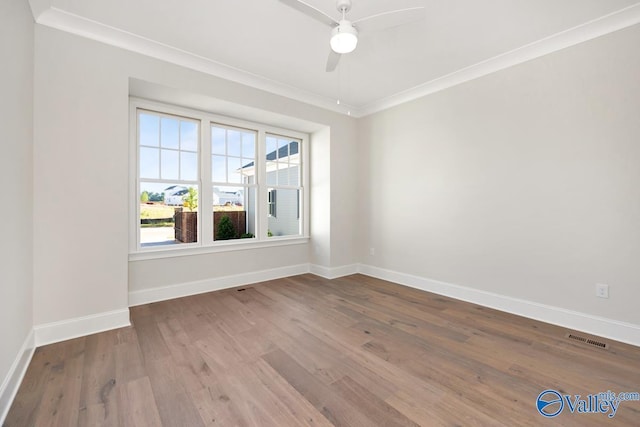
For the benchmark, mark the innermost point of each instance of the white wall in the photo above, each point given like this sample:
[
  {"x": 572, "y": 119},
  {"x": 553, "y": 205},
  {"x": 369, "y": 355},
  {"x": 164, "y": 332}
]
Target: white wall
[
  {"x": 320, "y": 205},
  {"x": 81, "y": 178},
  {"x": 524, "y": 183},
  {"x": 16, "y": 167},
  {"x": 345, "y": 215}
]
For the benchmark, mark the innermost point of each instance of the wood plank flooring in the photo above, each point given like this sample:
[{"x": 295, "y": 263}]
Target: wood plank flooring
[{"x": 305, "y": 351}]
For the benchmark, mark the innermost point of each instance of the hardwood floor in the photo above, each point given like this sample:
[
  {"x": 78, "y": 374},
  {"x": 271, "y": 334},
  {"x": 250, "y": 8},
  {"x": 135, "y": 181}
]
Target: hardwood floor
[{"x": 306, "y": 351}]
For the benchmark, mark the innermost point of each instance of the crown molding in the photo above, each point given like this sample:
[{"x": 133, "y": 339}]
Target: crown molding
[
  {"x": 590, "y": 30},
  {"x": 47, "y": 15},
  {"x": 38, "y": 7},
  {"x": 61, "y": 20}
]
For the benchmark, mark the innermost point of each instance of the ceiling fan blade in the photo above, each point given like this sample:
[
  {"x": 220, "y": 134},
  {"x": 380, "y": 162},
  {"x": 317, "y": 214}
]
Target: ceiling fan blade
[
  {"x": 332, "y": 61},
  {"x": 393, "y": 18},
  {"x": 311, "y": 11}
]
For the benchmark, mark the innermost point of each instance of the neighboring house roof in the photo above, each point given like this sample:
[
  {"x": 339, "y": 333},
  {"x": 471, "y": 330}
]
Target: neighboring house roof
[
  {"x": 174, "y": 188},
  {"x": 285, "y": 151}
]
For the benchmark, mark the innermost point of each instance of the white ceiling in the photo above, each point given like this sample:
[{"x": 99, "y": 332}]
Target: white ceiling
[{"x": 268, "y": 45}]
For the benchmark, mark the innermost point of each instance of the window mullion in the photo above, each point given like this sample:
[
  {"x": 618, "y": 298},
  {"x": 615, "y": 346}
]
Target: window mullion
[
  {"x": 206, "y": 187},
  {"x": 134, "y": 186},
  {"x": 260, "y": 163},
  {"x": 306, "y": 185}
]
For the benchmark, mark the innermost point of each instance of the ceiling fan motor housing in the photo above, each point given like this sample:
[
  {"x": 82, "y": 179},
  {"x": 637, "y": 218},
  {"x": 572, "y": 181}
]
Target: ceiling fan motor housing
[{"x": 344, "y": 37}]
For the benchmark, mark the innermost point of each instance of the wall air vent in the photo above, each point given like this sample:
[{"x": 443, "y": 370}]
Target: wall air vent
[{"x": 585, "y": 340}]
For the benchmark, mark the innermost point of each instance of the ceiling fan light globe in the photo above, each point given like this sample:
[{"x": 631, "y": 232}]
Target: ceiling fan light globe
[{"x": 344, "y": 38}]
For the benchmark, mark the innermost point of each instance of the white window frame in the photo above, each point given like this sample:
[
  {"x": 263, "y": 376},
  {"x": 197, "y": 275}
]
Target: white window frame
[{"x": 205, "y": 241}]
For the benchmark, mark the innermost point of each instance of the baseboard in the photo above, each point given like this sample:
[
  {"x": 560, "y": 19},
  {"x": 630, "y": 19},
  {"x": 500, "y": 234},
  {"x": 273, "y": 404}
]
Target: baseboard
[
  {"x": 147, "y": 296},
  {"x": 333, "y": 273},
  {"x": 600, "y": 326},
  {"x": 12, "y": 381},
  {"x": 49, "y": 333}
]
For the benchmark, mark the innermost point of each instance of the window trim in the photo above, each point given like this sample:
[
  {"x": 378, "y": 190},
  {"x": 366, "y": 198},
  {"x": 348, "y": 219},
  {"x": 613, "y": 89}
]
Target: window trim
[{"x": 204, "y": 244}]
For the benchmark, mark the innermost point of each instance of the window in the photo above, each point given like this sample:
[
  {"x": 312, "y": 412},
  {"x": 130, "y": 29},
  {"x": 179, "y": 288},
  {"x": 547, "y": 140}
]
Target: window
[
  {"x": 272, "y": 203},
  {"x": 233, "y": 153},
  {"x": 203, "y": 180},
  {"x": 282, "y": 161},
  {"x": 168, "y": 169}
]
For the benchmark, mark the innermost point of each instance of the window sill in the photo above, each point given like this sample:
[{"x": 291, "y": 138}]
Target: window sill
[{"x": 172, "y": 252}]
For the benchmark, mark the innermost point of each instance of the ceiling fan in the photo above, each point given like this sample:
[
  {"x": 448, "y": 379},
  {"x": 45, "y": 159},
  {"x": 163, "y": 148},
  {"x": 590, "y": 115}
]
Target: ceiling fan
[{"x": 344, "y": 33}]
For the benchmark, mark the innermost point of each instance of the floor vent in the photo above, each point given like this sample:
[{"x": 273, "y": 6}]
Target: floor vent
[{"x": 589, "y": 341}]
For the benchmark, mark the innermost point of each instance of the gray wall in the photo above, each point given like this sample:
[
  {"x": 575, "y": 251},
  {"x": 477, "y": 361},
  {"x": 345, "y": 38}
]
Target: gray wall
[
  {"x": 82, "y": 138},
  {"x": 16, "y": 168},
  {"x": 523, "y": 183}
]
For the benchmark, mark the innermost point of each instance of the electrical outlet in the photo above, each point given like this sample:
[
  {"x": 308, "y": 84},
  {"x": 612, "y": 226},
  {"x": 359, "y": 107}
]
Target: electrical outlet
[
  {"x": 602, "y": 291},
  {"x": 372, "y": 251}
]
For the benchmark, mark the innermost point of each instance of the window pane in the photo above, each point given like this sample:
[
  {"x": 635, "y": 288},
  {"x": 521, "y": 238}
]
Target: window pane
[
  {"x": 283, "y": 174},
  {"x": 272, "y": 173},
  {"x": 169, "y": 133},
  {"x": 234, "y": 170},
  {"x": 285, "y": 205},
  {"x": 247, "y": 167},
  {"x": 218, "y": 137},
  {"x": 188, "y": 166},
  {"x": 163, "y": 218},
  {"x": 234, "y": 213},
  {"x": 149, "y": 163},
  {"x": 169, "y": 164},
  {"x": 283, "y": 148},
  {"x": 188, "y": 136},
  {"x": 294, "y": 175},
  {"x": 219, "y": 168},
  {"x": 272, "y": 147},
  {"x": 149, "y": 126},
  {"x": 294, "y": 152},
  {"x": 234, "y": 143},
  {"x": 249, "y": 145}
]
